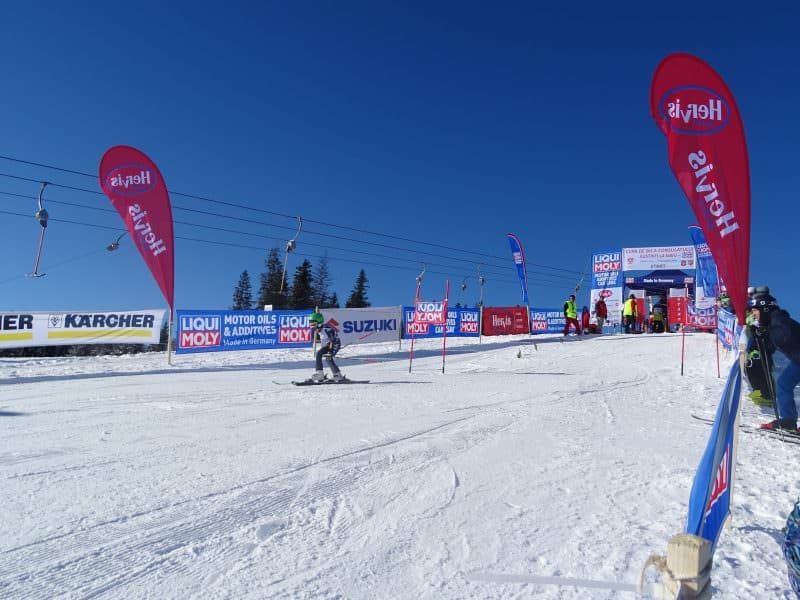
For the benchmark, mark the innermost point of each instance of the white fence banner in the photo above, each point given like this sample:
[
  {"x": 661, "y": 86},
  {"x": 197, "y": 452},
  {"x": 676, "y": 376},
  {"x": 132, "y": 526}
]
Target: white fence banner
[
  {"x": 365, "y": 325},
  {"x": 22, "y": 330}
]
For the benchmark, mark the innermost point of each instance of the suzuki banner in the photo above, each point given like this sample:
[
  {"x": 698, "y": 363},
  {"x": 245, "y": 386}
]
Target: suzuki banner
[
  {"x": 505, "y": 321},
  {"x": 519, "y": 261},
  {"x": 707, "y": 152},
  {"x": 461, "y": 322},
  {"x": 365, "y": 325},
  {"x": 547, "y": 320},
  {"x": 137, "y": 190},
  {"x": 23, "y": 330}
]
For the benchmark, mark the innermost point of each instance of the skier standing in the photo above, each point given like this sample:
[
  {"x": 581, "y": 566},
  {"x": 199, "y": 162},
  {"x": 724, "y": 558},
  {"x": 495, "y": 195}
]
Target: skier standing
[
  {"x": 775, "y": 324},
  {"x": 329, "y": 345}
]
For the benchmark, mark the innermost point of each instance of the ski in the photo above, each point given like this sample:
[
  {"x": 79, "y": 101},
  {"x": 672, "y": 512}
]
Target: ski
[
  {"x": 782, "y": 434},
  {"x": 329, "y": 382}
]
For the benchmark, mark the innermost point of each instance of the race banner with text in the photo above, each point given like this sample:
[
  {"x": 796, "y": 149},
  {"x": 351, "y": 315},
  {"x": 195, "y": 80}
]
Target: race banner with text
[
  {"x": 23, "y": 330},
  {"x": 547, "y": 320},
  {"x": 707, "y": 152},
  {"x": 137, "y": 190},
  {"x": 658, "y": 258},
  {"x": 505, "y": 321},
  {"x": 461, "y": 322},
  {"x": 220, "y": 330},
  {"x": 701, "y": 318}
]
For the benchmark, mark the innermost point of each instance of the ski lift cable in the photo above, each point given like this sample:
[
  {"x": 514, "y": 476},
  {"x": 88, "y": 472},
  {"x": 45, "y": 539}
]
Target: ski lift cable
[
  {"x": 250, "y": 221},
  {"x": 235, "y": 205}
]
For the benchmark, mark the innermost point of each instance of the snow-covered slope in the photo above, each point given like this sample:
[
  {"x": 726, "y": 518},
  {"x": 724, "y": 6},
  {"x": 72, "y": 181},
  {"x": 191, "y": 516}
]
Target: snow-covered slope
[{"x": 123, "y": 477}]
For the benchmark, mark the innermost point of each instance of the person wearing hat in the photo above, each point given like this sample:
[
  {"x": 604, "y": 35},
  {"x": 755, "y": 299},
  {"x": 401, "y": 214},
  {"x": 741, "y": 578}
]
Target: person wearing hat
[
  {"x": 571, "y": 315},
  {"x": 329, "y": 345},
  {"x": 776, "y": 327},
  {"x": 629, "y": 312},
  {"x": 758, "y": 366}
]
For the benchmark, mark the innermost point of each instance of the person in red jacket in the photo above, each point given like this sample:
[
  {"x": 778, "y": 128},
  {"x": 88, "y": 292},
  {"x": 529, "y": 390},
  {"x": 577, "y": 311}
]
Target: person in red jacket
[{"x": 601, "y": 312}]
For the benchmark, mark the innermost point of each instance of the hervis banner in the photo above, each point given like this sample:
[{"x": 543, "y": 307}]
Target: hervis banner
[
  {"x": 707, "y": 152},
  {"x": 23, "y": 330},
  {"x": 137, "y": 190}
]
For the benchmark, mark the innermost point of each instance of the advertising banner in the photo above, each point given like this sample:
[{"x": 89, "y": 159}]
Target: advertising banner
[
  {"x": 710, "y": 498},
  {"x": 702, "y": 318},
  {"x": 461, "y": 322},
  {"x": 547, "y": 320},
  {"x": 677, "y": 307},
  {"x": 707, "y": 286},
  {"x": 519, "y": 261},
  {"x": 613, "y": 299},
  {"x": 430, "y": 312},
  {"x": 365, "y": 325},
  {"x": 658, "y": 258},
  {"x": 220, "y": 330},
  {"x": 727, "y": 329},
  {"x": 707, "y": 153},
  {"x": 137, "y": 190},
  {"x": 23, "y": 330},
  {"x": 505, "y": 321},
  {"x": 607, "y": 269}
]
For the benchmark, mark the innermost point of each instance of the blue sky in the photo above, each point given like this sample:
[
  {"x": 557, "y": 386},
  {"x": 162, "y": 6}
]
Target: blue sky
[{"x": 447, "y": 123}]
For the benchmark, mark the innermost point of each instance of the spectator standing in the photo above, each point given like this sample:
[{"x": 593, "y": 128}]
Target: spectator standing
[
  {"x": 601, "y": 312},
  {"x": 571, "y": 315},
  {"x": 629, "y": 314}
]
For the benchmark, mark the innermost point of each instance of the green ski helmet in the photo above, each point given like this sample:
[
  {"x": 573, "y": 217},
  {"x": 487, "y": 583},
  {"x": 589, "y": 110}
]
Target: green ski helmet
[{"x": 316, "y": 319}]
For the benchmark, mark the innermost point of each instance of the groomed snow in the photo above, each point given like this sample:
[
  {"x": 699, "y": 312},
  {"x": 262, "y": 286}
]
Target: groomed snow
[{"x": 124, "y": 477}]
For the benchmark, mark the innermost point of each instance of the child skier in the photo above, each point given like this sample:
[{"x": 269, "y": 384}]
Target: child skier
[{"x": 329, "y": 345}]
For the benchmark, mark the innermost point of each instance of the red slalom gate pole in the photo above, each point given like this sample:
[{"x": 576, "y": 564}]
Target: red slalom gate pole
[
  {"x": 413, "y": 320},
  {"x": 444, "y": 332}
]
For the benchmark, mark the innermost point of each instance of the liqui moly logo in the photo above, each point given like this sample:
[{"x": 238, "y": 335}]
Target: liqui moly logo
[
  {"x": 517, "y": 257},
  {"x": 608, "y": 261},
  {"x": 695, "y": 110},
  {"x": 721, "y": 481},
  {"x": 131, "y": 180},
  {"x": 199, "y": 331}
]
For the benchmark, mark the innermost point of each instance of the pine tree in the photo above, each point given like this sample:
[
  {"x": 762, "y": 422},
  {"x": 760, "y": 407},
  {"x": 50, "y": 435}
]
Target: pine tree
[
  {"x": 302, "y": 294},
  {"x": 358, "y": 297},
  {"x": 269, "y": 290},
  {"x": 243, "y": 293},
  {"x": 321, "y": 282},
  {"x": 333, "y": 301}
]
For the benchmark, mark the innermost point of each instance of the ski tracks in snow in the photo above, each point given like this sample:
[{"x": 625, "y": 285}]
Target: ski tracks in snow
[{"x": 321, "y": 509}]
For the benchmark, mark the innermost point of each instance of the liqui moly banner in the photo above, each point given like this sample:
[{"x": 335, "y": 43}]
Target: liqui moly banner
[
  {"x": 707, "y": 283},
  {"x": 430, "y": 312},
  {"x": 606, "y": 269},
  {"x": 220, "y": 330},
  {"x": 547, "y": 320},
  {"x": 708, "y": 155},
  {"x": 505, "y": 321},
  {"x": 365, "y": 325},
  {"x": 519, "y": 261},
  {"x": 461, "y": 322},
  {"x": 702, "y": 318},
  {"x": 137, "y": 190},
  {"x": 710, "y": 498},
  {"x": 613, "y": 299},
  {"x": 23, "y": 330}
]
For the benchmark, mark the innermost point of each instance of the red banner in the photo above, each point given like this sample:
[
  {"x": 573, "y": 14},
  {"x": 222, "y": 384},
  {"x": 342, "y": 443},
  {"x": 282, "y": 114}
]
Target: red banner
[
  {"x": 505, "y": 321},
  {"x": 137, "y": 190},
  {"x": 694, "y": 108}
]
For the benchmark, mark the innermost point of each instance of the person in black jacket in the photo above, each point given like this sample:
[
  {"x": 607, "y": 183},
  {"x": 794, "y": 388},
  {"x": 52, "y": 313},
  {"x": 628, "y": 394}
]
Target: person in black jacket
[{"x": 774, "y": 323}]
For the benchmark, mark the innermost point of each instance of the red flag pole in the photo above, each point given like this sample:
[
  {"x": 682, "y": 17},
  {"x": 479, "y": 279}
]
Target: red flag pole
[
  {"x": 444, "y": 333},
  {"x": 413, "y": 318}
]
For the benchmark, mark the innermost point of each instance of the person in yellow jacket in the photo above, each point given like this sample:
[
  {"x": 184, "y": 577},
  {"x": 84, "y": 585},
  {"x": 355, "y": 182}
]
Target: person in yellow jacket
[
  {"x": 629, "y": 313},
  {"x": 571, "y": 315}
]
